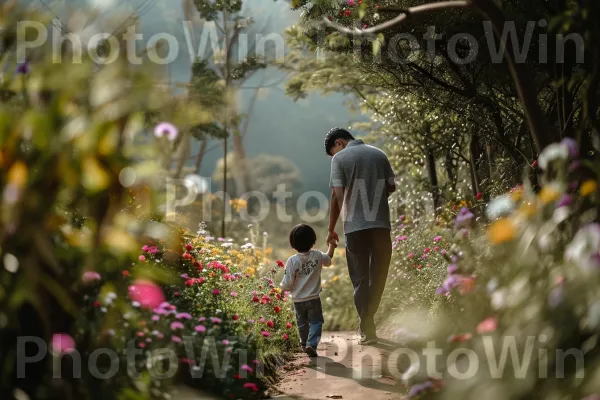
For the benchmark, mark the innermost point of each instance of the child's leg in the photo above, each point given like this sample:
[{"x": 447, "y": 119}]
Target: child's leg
[
  {"x": 302, "y": 321},
  {"x": 315, "y": 317}
]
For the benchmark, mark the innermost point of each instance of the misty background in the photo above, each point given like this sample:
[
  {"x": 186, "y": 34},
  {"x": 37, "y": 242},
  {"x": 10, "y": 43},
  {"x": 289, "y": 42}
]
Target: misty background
[{"x": 278, "y": 125}]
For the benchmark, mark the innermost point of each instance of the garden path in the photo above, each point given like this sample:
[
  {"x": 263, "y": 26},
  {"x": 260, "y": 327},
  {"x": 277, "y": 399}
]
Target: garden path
[{"x": 344, "y": 370}]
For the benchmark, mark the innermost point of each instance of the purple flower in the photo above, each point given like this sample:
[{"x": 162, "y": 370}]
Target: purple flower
[
  {"x": 200, "y": 329},
  {"x": 183, "y": 316},
  {"x": 464, "y": 217},
  {"x": 175, "y": 339},
  {"x": 184, "y": 276},
  {"x": 452, "y": 268},
  {"x": 23, "y": 68},
  {"x": 437, "y": 239},
  {"x": 572, "y": 145},
  {"x": 418, "y": 389},
  {"x": 565, "y": 201},
  {"x": 574, "y": 166},
  {"x": 166, "y": 129},
  {"x": 215, "y": 320},
  {"x": 176, "y": 325}
]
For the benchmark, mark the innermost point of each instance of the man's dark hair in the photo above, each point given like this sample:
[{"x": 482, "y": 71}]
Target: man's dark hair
[
  {"x": 302, "y": 238},
  {"x": 333, "y": 135}
]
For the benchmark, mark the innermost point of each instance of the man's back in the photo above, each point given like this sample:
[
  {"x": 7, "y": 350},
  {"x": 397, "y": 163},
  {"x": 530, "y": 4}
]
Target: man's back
[{"x": 363, "y": 171}]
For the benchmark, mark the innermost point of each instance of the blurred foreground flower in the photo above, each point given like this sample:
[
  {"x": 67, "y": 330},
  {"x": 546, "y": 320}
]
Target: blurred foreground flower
[
  {"x": 588, "y": 187},
  {"x": 501, "y": 231},
  {"x": 166, "y": 129},
  {"x": 147, "y": 293},
  {"x": 62, "y": 343},
  {"x": 584, "y": 250}
]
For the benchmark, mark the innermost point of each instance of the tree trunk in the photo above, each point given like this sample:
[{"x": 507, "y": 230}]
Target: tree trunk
[
  {"x": 200, "y": 155},
  {"x": 433, "y": 180}
]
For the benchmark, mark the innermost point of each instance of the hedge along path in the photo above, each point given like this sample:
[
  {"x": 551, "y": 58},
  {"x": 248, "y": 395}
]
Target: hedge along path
[{"x": 344, "y": 368}]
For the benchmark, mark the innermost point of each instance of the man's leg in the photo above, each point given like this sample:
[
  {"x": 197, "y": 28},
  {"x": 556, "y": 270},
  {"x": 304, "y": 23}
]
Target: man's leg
[
  {"x": 315, "y": 318},
  {"x": 302, "y": 322},
  {"x": 358, "y": 255},
  {"x": 381, "y": 245}
]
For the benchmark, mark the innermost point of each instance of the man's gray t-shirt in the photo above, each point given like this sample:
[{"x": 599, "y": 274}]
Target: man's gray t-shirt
[{"x": 363, "y": 171}]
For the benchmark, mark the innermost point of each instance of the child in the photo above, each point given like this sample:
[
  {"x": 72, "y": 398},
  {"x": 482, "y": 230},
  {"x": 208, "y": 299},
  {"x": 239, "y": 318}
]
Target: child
[{"x": 303, "y": 278}]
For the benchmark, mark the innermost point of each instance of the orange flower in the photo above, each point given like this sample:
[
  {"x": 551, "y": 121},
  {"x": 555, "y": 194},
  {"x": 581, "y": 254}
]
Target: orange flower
[
  {"x": 501, "y": 231},
  {"x": 467, "y": 285},
  {"x": 588, "y": 187}
]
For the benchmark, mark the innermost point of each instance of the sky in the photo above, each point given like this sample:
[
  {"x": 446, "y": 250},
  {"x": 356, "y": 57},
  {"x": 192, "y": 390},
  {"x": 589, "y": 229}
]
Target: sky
[{"x": 278, "y": 125}]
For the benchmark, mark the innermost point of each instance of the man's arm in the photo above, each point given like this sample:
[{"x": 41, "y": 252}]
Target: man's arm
[
  {"x": 287, "y": 283},
  {"x": 390, "y": 177},
  {"x": 335, "y": 209}
]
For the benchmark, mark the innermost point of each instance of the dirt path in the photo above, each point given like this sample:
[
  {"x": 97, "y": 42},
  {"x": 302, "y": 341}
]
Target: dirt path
[{"x": 344, "y": 368}]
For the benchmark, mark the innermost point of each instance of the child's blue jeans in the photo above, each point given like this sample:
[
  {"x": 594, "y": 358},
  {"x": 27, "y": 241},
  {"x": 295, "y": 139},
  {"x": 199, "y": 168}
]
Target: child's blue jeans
[{"x": 309, "y": 317}]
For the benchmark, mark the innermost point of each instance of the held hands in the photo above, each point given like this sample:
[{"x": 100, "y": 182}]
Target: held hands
[{"x": 333, "y": 238}]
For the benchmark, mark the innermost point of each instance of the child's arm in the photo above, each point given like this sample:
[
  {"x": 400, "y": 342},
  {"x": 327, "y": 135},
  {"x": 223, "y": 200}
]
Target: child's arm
[
  {"x": 331, "y": 249},
  {"x": 287, "y": 283}
]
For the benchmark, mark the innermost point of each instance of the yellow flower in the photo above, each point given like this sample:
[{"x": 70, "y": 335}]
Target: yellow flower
[
  {"x": 18, "y": 173},
  {"x": 517, "y": 195},
  {"x": 588, "y": 187},
  {"x": 335, "y": 278},
  {"x": 501, "y": 231},
  {"x": 548, "y": 194},
  {"x": 528, "y": 209}
]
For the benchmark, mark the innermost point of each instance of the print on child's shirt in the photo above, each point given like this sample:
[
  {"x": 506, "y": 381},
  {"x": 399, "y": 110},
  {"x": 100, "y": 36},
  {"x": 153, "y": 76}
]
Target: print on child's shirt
[{"x": 308, "y": 267}]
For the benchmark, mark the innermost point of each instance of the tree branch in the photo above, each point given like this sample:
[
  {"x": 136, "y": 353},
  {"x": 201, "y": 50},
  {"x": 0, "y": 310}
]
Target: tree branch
[{"x": 412, "y": 11}]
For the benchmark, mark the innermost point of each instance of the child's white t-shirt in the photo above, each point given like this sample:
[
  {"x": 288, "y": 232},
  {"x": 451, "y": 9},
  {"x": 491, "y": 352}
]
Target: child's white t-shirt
[{"x": 303, "y": 275}]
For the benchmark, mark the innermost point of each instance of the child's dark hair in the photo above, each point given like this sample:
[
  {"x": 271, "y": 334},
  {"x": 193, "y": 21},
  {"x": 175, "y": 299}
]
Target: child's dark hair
[{"x": 302, "y": 238}]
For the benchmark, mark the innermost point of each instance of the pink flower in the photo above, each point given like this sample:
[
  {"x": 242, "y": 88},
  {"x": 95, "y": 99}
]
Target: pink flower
[
  {"x": 216, "y": 291},
  {"x": 145, "y": 248},
  {"x": 427, "y": 250},
  {"x": 261, "y": 320},
  {"x": 288, "y": 325},
  {"x": 142, "y": 258},
  {"x": 225, "y": 342},
  {"x": 270, "y": 324},
  {"x": 410, "y": 255},
  {"x": 216, "y": 320},
  {"x": 200, "y": 328},
  {"x": 153, "y": 250},
  {"x": 201, "y": 319},
  {"x": 175, "y": 339},
  {"x": 166, "y": 129},
  {"x": 233, "y": 294},
  {"x": 285, "y": 336},
  {"x": 90, "y": 276},
  {"x": 251, "y": 386},
  {"x": 183, "y": 316},
  {"x": 265, "y": 333},
  {"x": 147, "y": 293},
  {"x": 246, "y": 368},
  {"x": 435, "y": 248},
  {"x": 488, "y": 325},
  {"x": 155, "y": 318},
  {"x": 176, "y": 325},
  {"x": 62, "y": 343},
  {"x": 437, "y": 239}
]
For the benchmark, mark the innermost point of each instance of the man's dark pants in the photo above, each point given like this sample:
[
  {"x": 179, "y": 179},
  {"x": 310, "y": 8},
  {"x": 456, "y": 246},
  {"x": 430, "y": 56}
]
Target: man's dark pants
[{"x": 368, "y": 252}]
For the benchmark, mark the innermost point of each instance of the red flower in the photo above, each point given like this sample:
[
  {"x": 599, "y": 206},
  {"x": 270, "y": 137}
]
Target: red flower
[
  {"x": 285, "y": 336},
  {"x": 189, "y": 282},
  {"x": 199, "y": 265},
  {"x": 278, "y": 296},
  {"x": 251, "y": 386},
  {"x": 125, "y": 273},
  {"x": 187, "y": 256},
  {"x": 277, "y": 309},
  {"x": 96, "y": 304},
  {"x": 176, "y": 294},
  {"x": 216, "y": 291},
  {"x": 534, "y": 164},
  {"x": 189, "y": 247},
  {"x": 255, "y": 299},
  {"x": 479, "y": 195},
  {"x": 270, "y": 324},
  {"x": 288, "y": 325},
  {"x": 235, "y": 317},
  {"x": 237, "y": 376},
  {"x": 280, "y": 263},
  {"x": 330, "y": 18}
]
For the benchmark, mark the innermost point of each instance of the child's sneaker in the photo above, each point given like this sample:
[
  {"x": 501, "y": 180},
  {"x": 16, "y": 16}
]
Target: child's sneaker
[{"x": 311, "y": 352}]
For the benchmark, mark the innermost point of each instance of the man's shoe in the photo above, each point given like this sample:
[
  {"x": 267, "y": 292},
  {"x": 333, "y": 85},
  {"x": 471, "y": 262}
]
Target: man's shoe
[
  {"x": 311, "y": 352},
  {"x": 366, "y": 340}
]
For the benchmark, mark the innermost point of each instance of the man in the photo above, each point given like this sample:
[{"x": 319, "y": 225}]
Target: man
[{"x": 361, "y": 181}]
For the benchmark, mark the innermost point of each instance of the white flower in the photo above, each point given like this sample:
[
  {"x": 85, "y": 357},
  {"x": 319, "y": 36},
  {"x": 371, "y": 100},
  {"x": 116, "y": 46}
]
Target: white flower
[
  {"x": 135, "y": 304},
  {"x": 499, "y": 207},
  {"x": 555, "y": 151},
  {"x": 584, "y": 249}
]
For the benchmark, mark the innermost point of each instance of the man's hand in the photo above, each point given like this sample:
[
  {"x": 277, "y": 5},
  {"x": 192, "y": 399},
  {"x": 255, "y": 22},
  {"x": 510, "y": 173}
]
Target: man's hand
[{"x": 332, "y": 237}]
